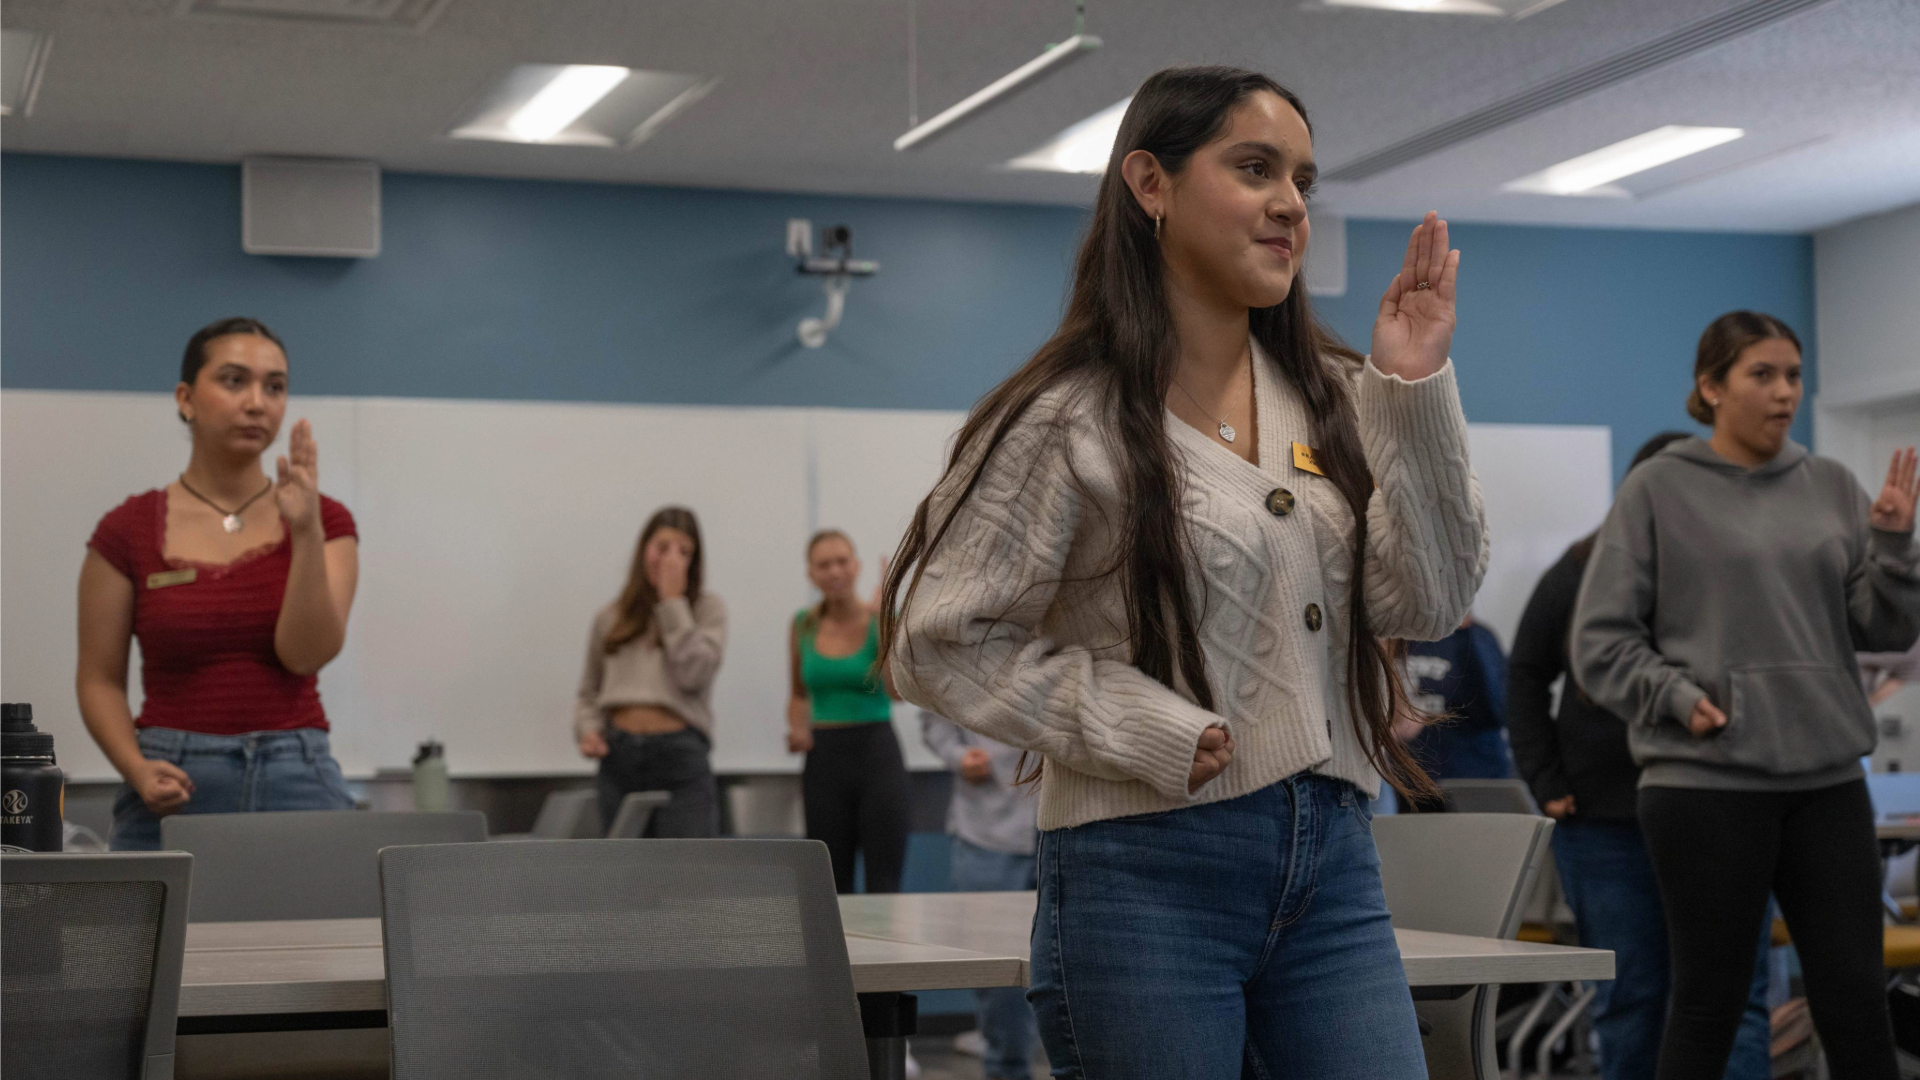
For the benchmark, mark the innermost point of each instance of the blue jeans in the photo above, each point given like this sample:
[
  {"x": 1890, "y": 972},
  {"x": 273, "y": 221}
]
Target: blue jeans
[
  {"x": 1610, "y": 886},
  {"x": 1006, "y": 1020},
  {"x": 1244, "y": 938},
  {"x": 262, "y": 770}
]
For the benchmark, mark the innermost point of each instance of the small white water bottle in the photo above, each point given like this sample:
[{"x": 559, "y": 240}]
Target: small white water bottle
[{"x": 431, "y": 789}]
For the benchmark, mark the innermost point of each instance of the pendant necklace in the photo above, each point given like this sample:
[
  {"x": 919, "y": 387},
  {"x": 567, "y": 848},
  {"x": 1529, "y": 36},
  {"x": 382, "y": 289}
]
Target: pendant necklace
[
  {"x": 1227, "y": 434},
  {"x": 230, "y": 519}
]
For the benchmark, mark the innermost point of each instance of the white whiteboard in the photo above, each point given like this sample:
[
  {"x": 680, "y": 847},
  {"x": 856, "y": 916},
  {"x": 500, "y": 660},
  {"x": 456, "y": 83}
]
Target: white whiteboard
[{"x": 492, "y": 531}]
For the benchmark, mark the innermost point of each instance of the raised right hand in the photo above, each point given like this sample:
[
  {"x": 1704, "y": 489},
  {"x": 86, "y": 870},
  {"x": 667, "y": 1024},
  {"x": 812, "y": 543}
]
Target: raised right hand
[
  {"x": 1706, "y": 719},
  {"x": 594, "y": 745},
  {"x": 1210, "y": 757},
  {"x": 162, "y": 785}
]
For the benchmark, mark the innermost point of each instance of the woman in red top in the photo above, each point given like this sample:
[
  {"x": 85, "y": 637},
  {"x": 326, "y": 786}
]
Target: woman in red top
[{"x": 238, "y": 588}]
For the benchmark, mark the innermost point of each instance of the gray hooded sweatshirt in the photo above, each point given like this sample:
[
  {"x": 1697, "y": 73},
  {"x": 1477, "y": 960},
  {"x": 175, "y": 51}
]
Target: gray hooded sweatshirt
[{"x": 1753, "y": 588}]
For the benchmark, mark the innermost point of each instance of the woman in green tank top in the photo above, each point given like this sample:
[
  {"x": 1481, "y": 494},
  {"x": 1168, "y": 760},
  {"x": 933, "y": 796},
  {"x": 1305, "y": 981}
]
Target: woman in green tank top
[{"x": 854, "y": 783}]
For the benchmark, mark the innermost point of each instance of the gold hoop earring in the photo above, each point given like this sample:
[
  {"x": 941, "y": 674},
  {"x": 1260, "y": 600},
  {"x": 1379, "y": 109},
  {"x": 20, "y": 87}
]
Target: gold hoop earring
[{"x": 1156, "y": 226}]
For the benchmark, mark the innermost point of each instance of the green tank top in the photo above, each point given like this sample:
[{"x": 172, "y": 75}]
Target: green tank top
[{"x": 844, "y": 689}]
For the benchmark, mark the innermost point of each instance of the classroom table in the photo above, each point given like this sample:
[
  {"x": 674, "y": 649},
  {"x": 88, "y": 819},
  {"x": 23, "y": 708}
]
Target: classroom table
[
  {"x": 1437, "y": 965},
  {"x": 278, "y": 976}
]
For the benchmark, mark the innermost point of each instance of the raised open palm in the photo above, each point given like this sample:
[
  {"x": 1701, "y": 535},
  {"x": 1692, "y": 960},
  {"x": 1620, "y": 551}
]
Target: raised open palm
[
  {"x": 298, "y": 488},
  {"x": 1893, "y": 510},
  {"x": 1414, "y": 330}
]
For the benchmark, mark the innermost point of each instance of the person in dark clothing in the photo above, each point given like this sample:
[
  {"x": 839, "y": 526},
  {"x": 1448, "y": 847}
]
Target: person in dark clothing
[
  {"x": 1581, "y": 773},
  {"x": 1463, "y": 677}
]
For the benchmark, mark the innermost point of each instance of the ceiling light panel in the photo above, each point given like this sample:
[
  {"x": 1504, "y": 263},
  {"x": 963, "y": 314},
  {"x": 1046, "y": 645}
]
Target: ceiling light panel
[
  {"x": 580, "y": 105},
  {"x": 1511, "y": 9},
  {"x": 1082, "y": 148},
  {"x": 1593, "y": 174},
  {"x": 23, "y": 56}
]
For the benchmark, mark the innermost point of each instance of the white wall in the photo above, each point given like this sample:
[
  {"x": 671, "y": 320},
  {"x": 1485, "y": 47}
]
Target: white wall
[
  {"x": 1867, "y": 304},
  {"x": 492, "y": 531}
]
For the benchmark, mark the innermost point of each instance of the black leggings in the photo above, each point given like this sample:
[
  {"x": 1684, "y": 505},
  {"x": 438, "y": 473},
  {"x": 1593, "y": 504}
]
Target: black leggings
[
  {"x": 854, "y": 788},
  {"x": 1717, "y": 853}
]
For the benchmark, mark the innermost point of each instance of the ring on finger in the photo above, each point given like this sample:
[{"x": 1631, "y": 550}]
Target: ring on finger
[{"x": 1423, "y": 285}]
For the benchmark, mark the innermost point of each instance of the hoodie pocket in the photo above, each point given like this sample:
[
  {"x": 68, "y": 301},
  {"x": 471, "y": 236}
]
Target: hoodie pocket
[{"x": 1795, "y": 717}]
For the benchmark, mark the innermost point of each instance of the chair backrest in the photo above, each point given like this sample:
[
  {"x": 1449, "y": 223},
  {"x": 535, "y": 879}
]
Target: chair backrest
[
  {"x": 618, "y": 958},
  {"x": 301, "y": 864},
  {"x": 1460, "y": 873},
  {"x": 1544, "y": 904},
  {"x": 1489, "y": 796},
  {"x": 636, "y": 809},
  {"x": 569, "y": 815},
  {"x": 91, "y": 948}
]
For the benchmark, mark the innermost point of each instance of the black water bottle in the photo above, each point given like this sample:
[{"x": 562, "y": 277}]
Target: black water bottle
[{"x": 32, "y": 787}]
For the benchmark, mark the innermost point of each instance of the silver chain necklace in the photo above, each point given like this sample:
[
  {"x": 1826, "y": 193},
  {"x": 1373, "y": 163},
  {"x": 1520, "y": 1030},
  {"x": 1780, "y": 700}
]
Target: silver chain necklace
[
  {"x": 230, "y": 520},
  {"x": 1227, "y": 434}
]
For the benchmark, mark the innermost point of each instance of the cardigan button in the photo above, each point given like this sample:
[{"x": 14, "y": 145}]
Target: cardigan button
[
  {"x": 1279, "y": 502},
  {"x": 1313, "y": 617}
]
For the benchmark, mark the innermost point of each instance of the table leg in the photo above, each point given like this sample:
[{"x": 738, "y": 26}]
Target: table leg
[{"x": 887, "y": 1019}]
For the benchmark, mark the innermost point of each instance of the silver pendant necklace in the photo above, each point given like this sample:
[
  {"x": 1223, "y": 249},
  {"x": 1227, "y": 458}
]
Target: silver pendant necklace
[
  {"x": 1227, "y": 434},
  {"x": 230, "y": 519}
]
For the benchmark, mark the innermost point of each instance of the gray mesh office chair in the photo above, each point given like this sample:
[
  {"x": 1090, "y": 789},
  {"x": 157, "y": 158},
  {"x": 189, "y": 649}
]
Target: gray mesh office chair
[
  {"x": 636, "y": 810},
  {"x": 573, "y": 814},
  {"x": 300, "y": 864},
  {"x": 618, "y": 958},
  {"x": 91, "y": 948},
  {"x": 1460, "y": 874}
]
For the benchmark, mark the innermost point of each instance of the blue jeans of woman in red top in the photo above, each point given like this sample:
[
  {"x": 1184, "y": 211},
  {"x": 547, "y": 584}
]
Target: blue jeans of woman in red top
[
  {"x": 261, "y": 770},
  {"x": 1243, "y": 938}
]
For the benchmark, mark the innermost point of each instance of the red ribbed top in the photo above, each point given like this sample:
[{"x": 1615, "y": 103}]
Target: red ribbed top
[{"x": 206, "y": 647}]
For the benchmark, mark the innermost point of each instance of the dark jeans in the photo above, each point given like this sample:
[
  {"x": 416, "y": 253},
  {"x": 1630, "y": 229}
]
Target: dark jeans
[
  {"x": 1238, "y": 940},
  {"x": 854, "y": 789},
  {"x": 1006, "y": 1020},
  {"x": 1610, "y": 886},
  {"x": 262, "y": 770},
  {"x": 1717, "y": 853},
  {"x": 675, "y": 763}
]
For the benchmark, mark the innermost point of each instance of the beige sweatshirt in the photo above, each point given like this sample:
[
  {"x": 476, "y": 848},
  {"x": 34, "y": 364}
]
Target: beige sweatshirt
[
  {"x": 670, "y": 666},
  {"x": 1014, "y": 634}
]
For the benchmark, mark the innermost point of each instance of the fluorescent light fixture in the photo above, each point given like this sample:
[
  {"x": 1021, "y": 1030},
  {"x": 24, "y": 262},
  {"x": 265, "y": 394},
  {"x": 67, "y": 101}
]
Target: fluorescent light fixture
[
  {"x": 576, "y": 89},
  {"x": 1513, "y": 9},
  {"x": 1594, "y": 173},
  {"x": 580, "y": 105},
  {"x": 23, "y": 58},
  {"x": 1056, "y": 57},
  {"x": 1082, "y": 148}
]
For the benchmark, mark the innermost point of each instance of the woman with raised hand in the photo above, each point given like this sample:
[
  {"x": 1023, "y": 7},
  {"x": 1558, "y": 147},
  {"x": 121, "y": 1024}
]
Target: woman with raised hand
[
  {"x": 645, "y": 708},
  {"x": 238, "y": 589},
  {"x": 1719, "y": 616},
  {"x": 853, "y": 785},
  {"x": 1159, "y": 560}
]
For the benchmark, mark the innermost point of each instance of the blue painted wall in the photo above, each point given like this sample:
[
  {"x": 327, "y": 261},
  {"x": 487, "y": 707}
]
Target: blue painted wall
[{"x": 558, "y": 291}]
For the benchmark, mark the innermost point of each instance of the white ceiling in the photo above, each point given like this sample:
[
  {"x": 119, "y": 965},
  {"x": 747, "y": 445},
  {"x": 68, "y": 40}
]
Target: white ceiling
[{"x": 814, "y": 91}]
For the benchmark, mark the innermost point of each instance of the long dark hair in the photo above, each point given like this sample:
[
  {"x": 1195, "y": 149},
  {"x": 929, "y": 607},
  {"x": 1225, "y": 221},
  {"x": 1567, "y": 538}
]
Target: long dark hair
[
  {"x": 637, "y": 599},
  {"x": 1118, "y": 337},
  {"x": 1724, "y": 339}
]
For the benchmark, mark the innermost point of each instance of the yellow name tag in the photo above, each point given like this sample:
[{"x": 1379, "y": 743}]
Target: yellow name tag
[
  {"x": 172, "y": 577},
  {"x": 1303, "y": 459}
]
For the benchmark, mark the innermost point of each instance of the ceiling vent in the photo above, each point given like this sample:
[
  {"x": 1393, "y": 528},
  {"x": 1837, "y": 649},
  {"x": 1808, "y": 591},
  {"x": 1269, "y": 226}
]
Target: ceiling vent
[
  {"x": 1615, "y": 69},
  {"x": 384, "y": 14}
]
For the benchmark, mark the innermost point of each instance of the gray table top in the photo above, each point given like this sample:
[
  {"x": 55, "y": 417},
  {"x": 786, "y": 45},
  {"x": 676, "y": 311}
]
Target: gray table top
[{"x": 904, "y": 942}]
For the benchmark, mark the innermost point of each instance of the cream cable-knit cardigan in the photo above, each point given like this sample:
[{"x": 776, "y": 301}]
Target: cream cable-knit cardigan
[{"x": 1013, "y": 632}]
